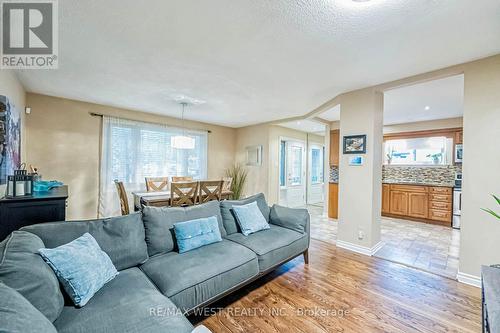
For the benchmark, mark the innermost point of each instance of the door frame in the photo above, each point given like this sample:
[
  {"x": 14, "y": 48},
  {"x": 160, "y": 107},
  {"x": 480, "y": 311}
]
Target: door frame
[
  {"x": 304, "y": 164},
  {"x": 310, "y": 146}
]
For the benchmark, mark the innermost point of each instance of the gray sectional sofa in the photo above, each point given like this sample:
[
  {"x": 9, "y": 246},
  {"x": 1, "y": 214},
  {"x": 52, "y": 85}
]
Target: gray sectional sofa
[{"x": 156, "y": 286}]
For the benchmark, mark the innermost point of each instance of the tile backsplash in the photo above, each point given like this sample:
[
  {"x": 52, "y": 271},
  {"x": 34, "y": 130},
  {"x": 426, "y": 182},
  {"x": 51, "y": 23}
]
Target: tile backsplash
[
  {"x": 334, "y": 174},
  {"x": 433, "y": 175}
]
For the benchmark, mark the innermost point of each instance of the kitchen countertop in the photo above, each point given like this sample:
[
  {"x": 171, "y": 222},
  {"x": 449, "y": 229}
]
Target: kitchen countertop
[{"x": 419, "y": 183}]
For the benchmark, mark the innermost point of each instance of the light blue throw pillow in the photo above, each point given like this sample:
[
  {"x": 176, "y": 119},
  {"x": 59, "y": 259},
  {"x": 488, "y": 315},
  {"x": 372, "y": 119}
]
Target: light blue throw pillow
[
  {"x": 193, "y": 234},
  {"x": 250, "y": 218},
  {"x": 81, "y": 267}
]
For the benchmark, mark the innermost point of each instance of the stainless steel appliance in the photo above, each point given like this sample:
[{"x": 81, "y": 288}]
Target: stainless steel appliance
[
  {"x": 457, "y": 201},
  {"x": 459, "y": 153},
  {"x": 458, "y": 180}
]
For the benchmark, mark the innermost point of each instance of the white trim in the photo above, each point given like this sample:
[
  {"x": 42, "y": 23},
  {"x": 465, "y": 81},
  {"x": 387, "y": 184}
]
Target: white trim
[
  {"x": 469, "y": 279},
  {"x": 360, "y": 249}
]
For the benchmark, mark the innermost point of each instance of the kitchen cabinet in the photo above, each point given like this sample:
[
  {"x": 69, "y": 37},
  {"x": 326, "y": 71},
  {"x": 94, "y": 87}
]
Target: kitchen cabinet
[
  {"x": 398, "y": 202},
  {"x": 431, "y": 204},
  {"x": 333, "y": 194},
  {"x": 418, "y": 205},
  {"x": 386, "y": 200},
  {"x": 459, "y": 137},
  {"x": 334, "y": 147},
  {"x": 333, "y": 197},
  {"x": 441, "y": 204}
]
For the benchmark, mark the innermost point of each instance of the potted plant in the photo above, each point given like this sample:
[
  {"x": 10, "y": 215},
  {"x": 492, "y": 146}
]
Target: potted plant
[
  {"x": 490, "y": 211},
  {"x": 239, "y": 175},
  {"x": 436, "y": 158}
]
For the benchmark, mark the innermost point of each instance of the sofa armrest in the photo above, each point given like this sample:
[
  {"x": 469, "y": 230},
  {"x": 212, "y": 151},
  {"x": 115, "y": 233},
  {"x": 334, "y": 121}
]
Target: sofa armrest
[{"x": 296, "y": 219}]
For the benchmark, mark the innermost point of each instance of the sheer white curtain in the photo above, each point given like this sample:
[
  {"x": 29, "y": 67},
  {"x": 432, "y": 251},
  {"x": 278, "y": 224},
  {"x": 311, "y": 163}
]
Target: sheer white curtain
[{"x": 133, "y": 150}]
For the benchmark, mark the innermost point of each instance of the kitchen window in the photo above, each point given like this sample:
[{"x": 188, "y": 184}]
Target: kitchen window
[{"x": 436, "y": 150}]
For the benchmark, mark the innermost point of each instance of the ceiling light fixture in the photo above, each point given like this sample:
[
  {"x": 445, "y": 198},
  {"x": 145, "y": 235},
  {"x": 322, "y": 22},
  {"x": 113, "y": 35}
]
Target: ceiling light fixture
[
  {"x": 182, "y": 141},
  {"x": 427, "y": 108}
]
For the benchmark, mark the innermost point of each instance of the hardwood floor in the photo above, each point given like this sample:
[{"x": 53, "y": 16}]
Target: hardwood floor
[{"x": 375, "y": 295}]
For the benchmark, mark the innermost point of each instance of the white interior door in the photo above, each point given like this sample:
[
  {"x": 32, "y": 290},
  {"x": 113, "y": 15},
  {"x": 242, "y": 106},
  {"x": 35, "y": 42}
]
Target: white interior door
[
  {"x": 315, "y": 181},
  {"x": 293, "y": 173}
]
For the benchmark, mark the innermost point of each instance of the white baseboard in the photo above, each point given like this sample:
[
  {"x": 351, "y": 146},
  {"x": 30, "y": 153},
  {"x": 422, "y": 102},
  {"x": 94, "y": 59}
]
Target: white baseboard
[
  {"x": 367, "y": 251},
  {"x": 469, "y": 279}
]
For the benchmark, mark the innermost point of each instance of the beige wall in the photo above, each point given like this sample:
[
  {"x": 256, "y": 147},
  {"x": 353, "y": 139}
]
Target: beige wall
[
  {"x": 480, "y": 233},
  {"x": 63, "y": 141},
  {"x": 360, "y": 186},
  {"x": 258, "y": 175},
  {"x": 265, "y": 178},
  {"x": 11, "y": 87},
  {"x": 424, "y": 125}
]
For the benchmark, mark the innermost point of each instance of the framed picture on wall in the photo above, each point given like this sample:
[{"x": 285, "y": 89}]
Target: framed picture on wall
[
  {"x": 355, "y": 144},
  {"x": 10, "y": 139},
  {"x": 254, "y": 155}
]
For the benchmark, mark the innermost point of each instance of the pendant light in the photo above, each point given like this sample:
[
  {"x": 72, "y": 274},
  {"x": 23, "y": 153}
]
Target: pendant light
[{"x": 182, "y": 141}]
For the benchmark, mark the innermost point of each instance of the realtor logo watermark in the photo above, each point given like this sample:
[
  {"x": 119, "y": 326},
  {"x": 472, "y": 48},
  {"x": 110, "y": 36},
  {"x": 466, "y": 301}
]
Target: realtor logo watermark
[{"x": 29, "y": 34}]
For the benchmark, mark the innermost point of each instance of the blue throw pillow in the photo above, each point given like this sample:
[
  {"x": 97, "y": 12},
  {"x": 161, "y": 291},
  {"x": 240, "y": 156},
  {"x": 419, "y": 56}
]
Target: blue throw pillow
[
  {"x": 250, "y": 218},
  {"x": 81, "y": 267},
  {"x": 193, "y": 234}
]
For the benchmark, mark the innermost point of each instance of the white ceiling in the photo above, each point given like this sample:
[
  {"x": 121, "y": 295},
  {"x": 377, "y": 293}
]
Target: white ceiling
[
  {"x": 438, "y": 99},
  {"x": 306, "y": 125},
  {"x": 332, "y": 114},
  {"x": 254, "y": 61}
]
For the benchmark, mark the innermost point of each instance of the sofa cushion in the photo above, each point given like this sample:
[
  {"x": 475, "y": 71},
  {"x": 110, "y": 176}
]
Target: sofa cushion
[
  {"x": 128, "y": 303},
  {"x": 194, "y": 277},
  {"x": 228, "y": 218},
  {"x": 17, "y": 314},
  {"x": 81, "y": 267},
  {"x": 250, "y": 218},
  {"x": 22, "y": 269},
  {"x": 274, "y": 245},
  {"x": 196, "y": 233},
  {"x": 296, "y": 219},
  {"x": 159, "y": 223},
  {"x": 122, "y": 237}
]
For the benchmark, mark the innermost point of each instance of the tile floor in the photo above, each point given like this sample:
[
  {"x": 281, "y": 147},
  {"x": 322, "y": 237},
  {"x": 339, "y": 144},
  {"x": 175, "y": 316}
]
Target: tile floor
[{"x": 425, "y": 246}]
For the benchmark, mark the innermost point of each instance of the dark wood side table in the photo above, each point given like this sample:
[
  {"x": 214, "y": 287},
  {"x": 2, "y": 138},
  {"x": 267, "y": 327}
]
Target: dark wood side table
[
  {"x": 491, "y": 299},
  {"x": 41, "y": 207}
]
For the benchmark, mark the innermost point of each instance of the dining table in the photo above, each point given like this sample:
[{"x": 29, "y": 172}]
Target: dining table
[{"x": 159, "y": 198}]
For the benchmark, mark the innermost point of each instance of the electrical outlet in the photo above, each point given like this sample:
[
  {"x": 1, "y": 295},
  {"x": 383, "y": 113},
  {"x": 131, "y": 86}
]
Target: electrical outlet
[{"x": 361, "y": 234}]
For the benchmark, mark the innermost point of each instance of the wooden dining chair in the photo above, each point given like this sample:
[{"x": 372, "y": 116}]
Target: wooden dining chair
[
  {"x": 226, "y": 187},
  {"x": 122, "y": 195},
  {"x": 181, "y": 179},
  {"x": 156, "y": 184},
  {"x": 210, "y": 190},
  {"x": 183, "y": 194}
]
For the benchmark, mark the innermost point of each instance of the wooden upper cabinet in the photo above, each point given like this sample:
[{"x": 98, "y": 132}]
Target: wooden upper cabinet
[
  {"x": 334, "y": 147},
  {"x": 399, "y": 202},
  {"x": 459, "y": 137},
  {"x": 386, "y": 198},
  {"x": 418, "y": 204}
]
